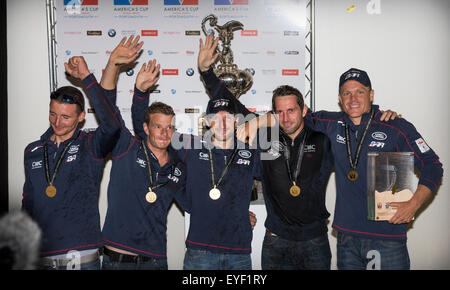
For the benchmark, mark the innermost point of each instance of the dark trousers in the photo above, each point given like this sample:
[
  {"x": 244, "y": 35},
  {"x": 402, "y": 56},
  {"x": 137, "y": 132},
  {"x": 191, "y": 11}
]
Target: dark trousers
[
  {"x": 282, "y": 254},
  {"x": 356, "y": 253}
]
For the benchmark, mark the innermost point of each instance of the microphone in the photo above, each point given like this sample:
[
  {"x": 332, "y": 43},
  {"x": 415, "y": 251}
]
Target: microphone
[{"x": 20, "y": 239}]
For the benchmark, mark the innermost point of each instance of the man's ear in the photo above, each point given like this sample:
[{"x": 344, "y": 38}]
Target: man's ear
[
  {"x": 305, "y": 110},
  {"x": 340, "y": 102},
  {"x": 371, "y": 95},
  {"x": 81, "y": 116},
  {"x": 146, "y": 129}
]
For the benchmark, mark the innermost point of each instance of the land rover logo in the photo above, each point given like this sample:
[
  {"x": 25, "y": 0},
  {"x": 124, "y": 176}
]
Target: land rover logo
[
  {"x": 245, "y": 153},
  {"x": 380, "y": 136}
]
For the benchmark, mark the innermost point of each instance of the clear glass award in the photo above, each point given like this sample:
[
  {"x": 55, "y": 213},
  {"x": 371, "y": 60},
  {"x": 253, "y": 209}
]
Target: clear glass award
[{"x": 390, "y": 178}]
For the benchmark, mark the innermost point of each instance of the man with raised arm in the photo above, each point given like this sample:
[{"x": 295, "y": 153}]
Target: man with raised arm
[
  {"x": 145, "y": 175},
  {"x": 219, "y": 184},
  {"x": 295, "y": 173},
  {"x": 63, "y": 171}
]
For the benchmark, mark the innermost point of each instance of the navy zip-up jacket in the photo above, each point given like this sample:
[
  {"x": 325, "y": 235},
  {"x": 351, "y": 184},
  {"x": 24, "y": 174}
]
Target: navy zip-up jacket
[
  {"x": 132, "y": 223},
  {"x": 70, "y": 220},
  {"x": 294, "y": 218},
  {"x": 222, "y": 225},
  {"x": 397, "y": 135}
]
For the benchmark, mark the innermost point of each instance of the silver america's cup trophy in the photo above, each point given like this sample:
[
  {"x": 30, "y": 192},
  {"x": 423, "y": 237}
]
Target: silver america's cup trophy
[{"x": 237, "y": 81}]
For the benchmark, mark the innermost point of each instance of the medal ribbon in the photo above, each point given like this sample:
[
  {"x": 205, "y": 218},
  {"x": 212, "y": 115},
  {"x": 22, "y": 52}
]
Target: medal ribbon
[
  {"x": 224, "y": 171},
  {"x": 58, "y": 163},
  {"x": 354, "y": 163},
  {"x": 299, "y": 159},
  {"x": 149, "y": 168}
]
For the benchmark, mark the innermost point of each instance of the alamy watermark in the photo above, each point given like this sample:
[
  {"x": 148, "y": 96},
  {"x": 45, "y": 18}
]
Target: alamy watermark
[{"x": 263, "y": 139}]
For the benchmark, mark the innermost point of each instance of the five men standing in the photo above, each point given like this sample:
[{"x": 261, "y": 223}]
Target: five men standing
[{"x": 211, "y": 177}]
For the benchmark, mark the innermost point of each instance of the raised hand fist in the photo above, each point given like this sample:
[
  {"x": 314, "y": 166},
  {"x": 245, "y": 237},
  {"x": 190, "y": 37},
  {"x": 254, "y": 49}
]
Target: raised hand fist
[
  {"x": 77, "y": 67},
  {"x": 147, "y": 76},
  {"x": 207, "y": 54},
  {"x": 126, "y": 51}
]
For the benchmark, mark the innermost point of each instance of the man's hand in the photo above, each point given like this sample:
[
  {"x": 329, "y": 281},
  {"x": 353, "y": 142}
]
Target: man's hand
[
  {"x": 252, "y": 219},
  {"x": 406, "y": 210},
  {"x": 249, "y": 130},
  {"x": 207, "y": 54},
  {"x": 77, "y": 67},
  {"x": 147, "y": 76},
  {"x": 126, "y": 51},
  {"x": 389, "y": 115}
]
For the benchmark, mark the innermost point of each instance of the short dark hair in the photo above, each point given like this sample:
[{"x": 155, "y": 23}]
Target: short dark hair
[
  {"x": 70, "y": 95},
  {"x": 158, "y": 107},
  {"x": 286, "y": 90}
]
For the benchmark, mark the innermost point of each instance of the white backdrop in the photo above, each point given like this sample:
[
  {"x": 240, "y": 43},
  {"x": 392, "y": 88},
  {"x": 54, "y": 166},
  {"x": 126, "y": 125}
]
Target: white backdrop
[{"x": 272, "y": 44}]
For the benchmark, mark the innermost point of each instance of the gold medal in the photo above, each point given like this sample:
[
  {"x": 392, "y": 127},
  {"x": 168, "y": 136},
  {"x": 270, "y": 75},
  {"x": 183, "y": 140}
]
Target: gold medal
[
  {"x": 50, "y": 191},
  {"x": 214, "y": 193},
  {"x": 150, "y": 197},
  {"x": 294, "y": 190},
  {"x": 352, "y": 175}
]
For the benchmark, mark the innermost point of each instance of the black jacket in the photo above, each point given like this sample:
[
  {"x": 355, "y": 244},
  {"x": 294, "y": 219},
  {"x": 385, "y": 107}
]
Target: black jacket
[{"x": 315, "y": 169}]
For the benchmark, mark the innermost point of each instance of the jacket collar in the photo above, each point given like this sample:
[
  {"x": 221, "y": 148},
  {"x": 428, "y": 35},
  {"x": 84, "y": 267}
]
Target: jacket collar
[
  {"x": 48, "y": 134},
  {"x": 288, "y": 139}
]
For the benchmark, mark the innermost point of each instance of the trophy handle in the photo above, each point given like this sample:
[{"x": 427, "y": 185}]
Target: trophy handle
[
  {"x": 212, "y": 22},
  {"x": 237, "y": 81}
]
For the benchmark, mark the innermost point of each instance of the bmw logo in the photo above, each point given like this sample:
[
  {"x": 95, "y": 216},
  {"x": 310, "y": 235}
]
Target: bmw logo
[
  {"x": 111, "y": 33},
  {"x": 251, "y": 71},
  {"x": 68, "y": 52},
  {"x": 150, "y": 52},
  {"x": 190, "y": 72},
  {"x": 173, "y": 91},
  {"x": 130, "y": 72}
]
